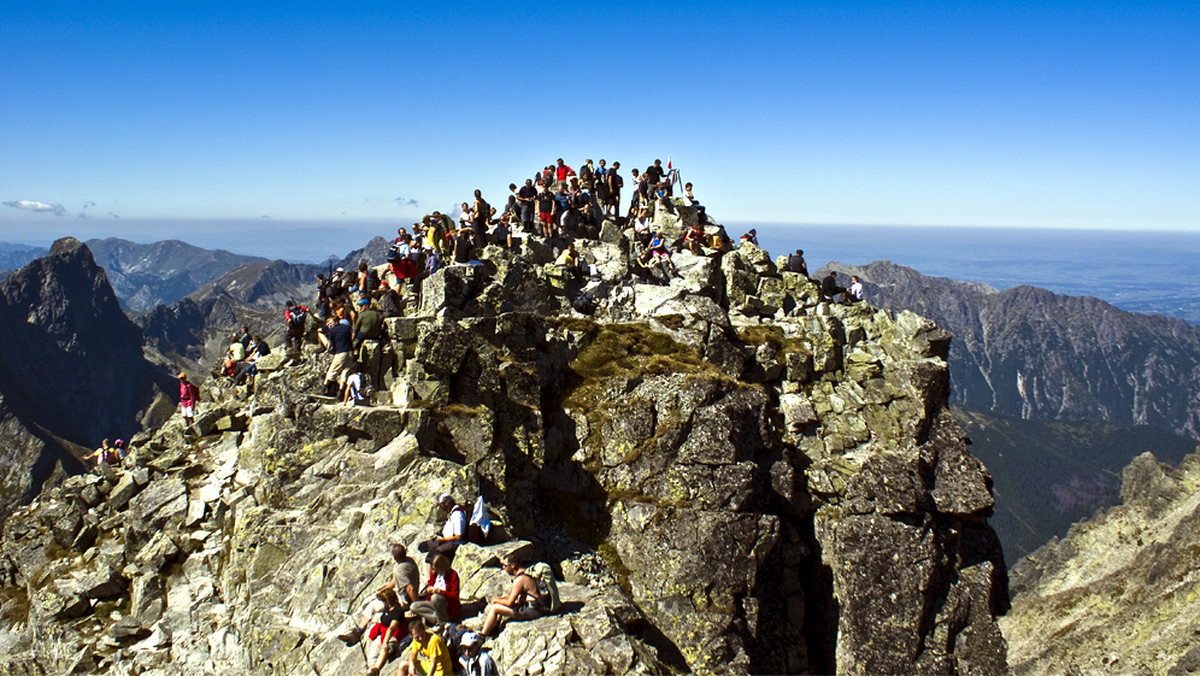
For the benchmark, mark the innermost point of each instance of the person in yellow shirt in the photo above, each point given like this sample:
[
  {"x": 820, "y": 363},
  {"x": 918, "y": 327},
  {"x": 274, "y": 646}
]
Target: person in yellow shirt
[{"x": 428, "y": 654}]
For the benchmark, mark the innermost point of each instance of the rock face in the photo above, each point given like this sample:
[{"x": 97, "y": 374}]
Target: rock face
[
  {"x": 1118, "y": 594},
  {"x": 72, "y": 371},
  {"x": 1028, "y": 353},
  {"x": 729, "y": 475}
]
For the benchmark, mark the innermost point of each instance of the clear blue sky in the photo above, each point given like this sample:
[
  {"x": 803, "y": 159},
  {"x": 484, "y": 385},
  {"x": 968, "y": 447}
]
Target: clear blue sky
[{"x": 958, "y": 113}]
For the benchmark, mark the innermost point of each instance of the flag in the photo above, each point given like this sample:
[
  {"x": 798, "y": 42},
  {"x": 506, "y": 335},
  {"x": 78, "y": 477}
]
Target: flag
[{"x": 668, "y": 162}]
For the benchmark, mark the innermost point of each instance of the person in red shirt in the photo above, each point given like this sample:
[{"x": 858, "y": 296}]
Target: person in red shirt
[
  {"x": 562, "y": 171},
  {"x": 189, "y": 396}
]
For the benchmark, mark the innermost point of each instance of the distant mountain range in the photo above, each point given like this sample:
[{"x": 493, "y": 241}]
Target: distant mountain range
[
  {"x": 147, "y": 275},
  {"x": 1031, "y": 354}
]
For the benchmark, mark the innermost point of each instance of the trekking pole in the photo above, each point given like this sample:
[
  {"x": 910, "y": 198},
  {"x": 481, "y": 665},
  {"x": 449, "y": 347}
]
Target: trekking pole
[{"x": 362, "y": 647}]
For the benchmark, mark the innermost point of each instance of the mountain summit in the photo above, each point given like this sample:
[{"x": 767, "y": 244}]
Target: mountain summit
[{"x": 727, "y": 472}]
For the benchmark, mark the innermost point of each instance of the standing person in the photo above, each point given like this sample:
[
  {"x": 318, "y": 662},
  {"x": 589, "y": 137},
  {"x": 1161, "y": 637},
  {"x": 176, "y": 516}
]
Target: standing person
[
  {"x": 189, "y": 397},
  {"x": 341, "y": 346},
  {"x": 587, "y": 175},
  {"x": 561, "y": 171},
  {"x": 482, "y": 214},
  {"x": 368, "y": 333},
  {"x": 615, "y": 183},
  {"x": 526, "y": 196},
  {"x": 295, "y": 318},
  {"x": 428, "y": 655},
  {"x": 545, "y": 205}
]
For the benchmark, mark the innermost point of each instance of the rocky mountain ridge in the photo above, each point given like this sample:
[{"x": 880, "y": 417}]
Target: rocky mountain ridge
[
  {"x": 1121, "y": 592},
  {"x": 730, "y": 475},
  {"x": 1029, "y": 353},
  {"x": 147, "y": 275},
  {"x": 73, "y": 370}
]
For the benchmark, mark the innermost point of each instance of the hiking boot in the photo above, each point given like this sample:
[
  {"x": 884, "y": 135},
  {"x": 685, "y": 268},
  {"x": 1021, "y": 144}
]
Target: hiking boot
[{"x": 352, "y": 637}]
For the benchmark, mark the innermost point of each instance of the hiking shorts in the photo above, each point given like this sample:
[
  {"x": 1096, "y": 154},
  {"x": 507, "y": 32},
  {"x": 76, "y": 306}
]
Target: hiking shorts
[
  {"x": 340, "y": 367},
  {"x": 187, "y": 410},
  {"x": 527, "y": 611},
  {"x": 545, "y": 216}
]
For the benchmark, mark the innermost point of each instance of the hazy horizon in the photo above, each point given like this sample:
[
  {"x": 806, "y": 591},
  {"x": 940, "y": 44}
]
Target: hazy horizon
[
  {"x": 1139, "y": 271},
  {"x": 986, "y": 115}
]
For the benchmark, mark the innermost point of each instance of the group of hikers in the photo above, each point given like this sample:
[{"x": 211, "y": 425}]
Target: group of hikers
[{"x": 419, "y": 624}]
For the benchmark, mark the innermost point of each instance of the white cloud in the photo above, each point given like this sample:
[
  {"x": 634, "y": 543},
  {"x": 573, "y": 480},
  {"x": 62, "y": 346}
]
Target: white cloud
[
  {"x": 405, "y": 202},
  {"x": 34, "y": 205}
]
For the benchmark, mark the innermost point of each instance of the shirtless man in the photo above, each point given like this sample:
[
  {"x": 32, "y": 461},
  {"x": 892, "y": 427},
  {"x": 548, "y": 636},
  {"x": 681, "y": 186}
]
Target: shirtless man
[{"x": 523, "y": 601}]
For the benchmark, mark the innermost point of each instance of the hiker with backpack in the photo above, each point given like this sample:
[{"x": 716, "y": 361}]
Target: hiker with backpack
[
  {"x": 105, "y": 455},
  {"x": 454, "y": 532},
  {"x": 295, "y": 318},
  {"x": 524, "y": 601}
]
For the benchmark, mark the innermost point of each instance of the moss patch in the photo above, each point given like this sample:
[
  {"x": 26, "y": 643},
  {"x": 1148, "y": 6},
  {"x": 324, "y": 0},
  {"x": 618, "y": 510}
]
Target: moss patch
[
  {"x": 766, "y": 334},
  {"x": 632, "y": 349}
]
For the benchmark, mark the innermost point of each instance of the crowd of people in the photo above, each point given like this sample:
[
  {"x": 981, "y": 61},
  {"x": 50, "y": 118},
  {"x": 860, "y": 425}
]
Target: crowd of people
[
  {"x": 420, "y": 625},
  {"x": 405, "y": 620}
]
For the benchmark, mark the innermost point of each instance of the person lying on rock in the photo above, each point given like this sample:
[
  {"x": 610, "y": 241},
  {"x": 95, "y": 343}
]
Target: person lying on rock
[
  {"x": 428, "y": 655},
  {"x": 523, "y": 602},
  {"x": 405, "y": 579},
  {"x": 454, "y": 532}
]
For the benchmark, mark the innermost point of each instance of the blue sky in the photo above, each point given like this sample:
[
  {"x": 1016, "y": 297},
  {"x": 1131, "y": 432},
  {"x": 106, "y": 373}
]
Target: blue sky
[{"x": 143, "y": 116}]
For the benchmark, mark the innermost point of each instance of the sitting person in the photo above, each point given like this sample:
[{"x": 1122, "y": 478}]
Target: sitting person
[
  {"x": 523, "y": 602},
  {"x": 695, "y": 239},
  {"x": 570, "y": 261},
  {"x": 641, "y": 227},
  {"x": 454, "y": 532},
  {"x": 660, "y": 253},
  {"x": 428, "y": 655},
  {"x": 105, "y": 455},
  {"x": 473, "y": 660},
  {"x": 751, "y": 237},
  {"x": 387, "y": 631},
  {"x": 830, "y": 288},
  {"x": 405, "y": 579},
  {"x": 855, "y": 292},
  {"x": 439, "y": 598},
  {"x": 796, "y": 263}
]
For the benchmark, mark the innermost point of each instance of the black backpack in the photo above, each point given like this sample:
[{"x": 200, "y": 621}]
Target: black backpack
[{"x": 299, "y": 316}]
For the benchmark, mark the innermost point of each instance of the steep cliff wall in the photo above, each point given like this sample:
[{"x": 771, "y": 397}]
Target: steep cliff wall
[
  {"x": 730, "y": 476},
  {"x": 72, "y": 370},
  {"x": 1121, "y": 592}
]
